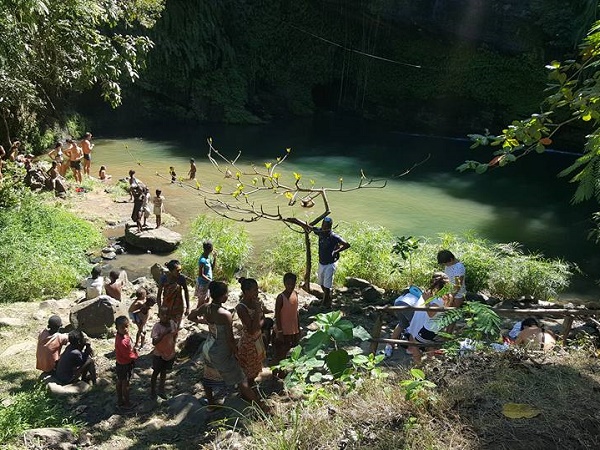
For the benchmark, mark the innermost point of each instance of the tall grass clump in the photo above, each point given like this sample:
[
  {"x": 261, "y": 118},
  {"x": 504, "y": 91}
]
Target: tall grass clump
[
  {"x": 230, "y": 241},
  {"x": 504, "y": 270},
  {"x": 29, "y": 409},
  {"x": 369, "y": 256},
  {"x": 42, "y": 249}
]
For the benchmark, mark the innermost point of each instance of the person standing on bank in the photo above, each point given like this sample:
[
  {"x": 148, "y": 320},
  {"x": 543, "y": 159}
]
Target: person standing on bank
[
  {"x": 86, "y": 147},
  {"x": 330, "y": 246}
]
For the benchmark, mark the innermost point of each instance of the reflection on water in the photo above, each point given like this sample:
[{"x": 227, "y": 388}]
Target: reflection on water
[{"x": 524, "y": 202}]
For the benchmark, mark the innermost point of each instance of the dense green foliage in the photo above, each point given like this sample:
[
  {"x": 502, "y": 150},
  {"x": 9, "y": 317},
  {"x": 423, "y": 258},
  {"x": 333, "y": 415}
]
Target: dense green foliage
[
  {"x": 499, "y": 270},
  {"x": 51, "y": 49},
  {"x": 323, "y": 357},
  {"x": 42, "y": 249},
  {"x": 243, "y": 62},
  {"x": 34, "y": 408},
  {"x": 231, "y": 244}
]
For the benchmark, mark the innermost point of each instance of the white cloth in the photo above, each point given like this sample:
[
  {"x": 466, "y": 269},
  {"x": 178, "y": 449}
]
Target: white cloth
[
  {"x": 93, "y": 287},
  {"x": 422, "y": 320},
  {"x": 407, "y": 299},
  {"x": 457, "y": 270}
]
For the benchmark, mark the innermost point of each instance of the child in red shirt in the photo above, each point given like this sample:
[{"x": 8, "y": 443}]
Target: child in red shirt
[{"x": 126, "y": 356}]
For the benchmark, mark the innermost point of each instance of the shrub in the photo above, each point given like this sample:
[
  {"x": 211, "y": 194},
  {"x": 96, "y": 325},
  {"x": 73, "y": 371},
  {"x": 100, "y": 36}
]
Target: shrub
[
  {"x": 369, "y": 256},
  {"x": 230, "y": 241},
  {"x": 32, "y": 409},
  {"x": 42, "y": 250},
  {"x": 500, "y": 270}
]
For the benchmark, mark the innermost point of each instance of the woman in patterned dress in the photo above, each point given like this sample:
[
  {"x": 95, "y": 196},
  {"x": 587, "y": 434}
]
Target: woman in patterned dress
[{"x": 251, "y": 353}]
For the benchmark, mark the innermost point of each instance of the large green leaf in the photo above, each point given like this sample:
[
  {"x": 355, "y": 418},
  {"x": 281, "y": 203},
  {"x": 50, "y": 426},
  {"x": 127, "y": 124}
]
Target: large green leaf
[{"x": 337, "y": 361}]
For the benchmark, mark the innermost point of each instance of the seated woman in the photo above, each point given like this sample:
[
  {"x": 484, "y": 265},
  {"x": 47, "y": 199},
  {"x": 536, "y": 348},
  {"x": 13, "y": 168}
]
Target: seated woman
[
  {"x": 535, "y": 337},
  {"x": 424, "y": 327}
]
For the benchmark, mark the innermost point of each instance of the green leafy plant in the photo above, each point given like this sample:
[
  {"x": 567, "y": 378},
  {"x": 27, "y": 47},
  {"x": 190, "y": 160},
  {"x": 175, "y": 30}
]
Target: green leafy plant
[
  {"x": 33, "y": 408},
  {"x": 405, "y": 246},
  {"x": 320, "y": 359},
  {"x": 230, "y": 241},
  {"x": 42, "y": 249},
  {"x": 481, "y": 324},
  {"x": 418, "y": 389}
]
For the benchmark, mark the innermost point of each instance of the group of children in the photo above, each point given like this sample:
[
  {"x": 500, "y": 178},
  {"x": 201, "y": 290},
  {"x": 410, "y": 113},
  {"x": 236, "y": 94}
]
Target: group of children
[
  {"x": 226, "y": 362},
  {"x": 140, "y": 195}
]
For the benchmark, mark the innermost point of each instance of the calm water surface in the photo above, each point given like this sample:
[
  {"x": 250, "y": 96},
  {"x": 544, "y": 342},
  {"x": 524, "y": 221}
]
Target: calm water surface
[{"x": 525, "y": 202}]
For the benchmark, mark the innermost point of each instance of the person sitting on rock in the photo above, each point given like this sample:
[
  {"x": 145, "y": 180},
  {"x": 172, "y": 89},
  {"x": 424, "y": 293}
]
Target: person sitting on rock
[
  {"x": 94, "y": 284},
  {"x": 114, "y": 286},
  {"x": 76, "y": 361},
  {"x": 50, "y": 343},
  {"x": 535, "y": 337}
]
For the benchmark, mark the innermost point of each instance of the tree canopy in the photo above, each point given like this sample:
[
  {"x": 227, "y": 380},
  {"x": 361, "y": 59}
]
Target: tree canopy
[
  {"x": 49, "y": 49},
  {"x": 573, "y": 97}
]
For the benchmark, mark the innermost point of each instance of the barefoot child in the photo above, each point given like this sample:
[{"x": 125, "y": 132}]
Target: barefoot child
[
  {"x": 158, "y": 201},
  {"x": 173, "y": 174},
  {"x": 139, "y": 312},
  {"x": 205, "y": 273},
  {"x": 103, "y": 175},
  {"x": 164, "y": 334},
  {"x": 126, "y": 356},
  {"x": 114, "y": 286},
  {"x": 287, "y": 332}
]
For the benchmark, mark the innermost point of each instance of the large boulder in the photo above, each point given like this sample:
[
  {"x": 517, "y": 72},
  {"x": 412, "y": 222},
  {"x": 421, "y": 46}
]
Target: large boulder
[
  {"x": 47, "y": 438},
  {"x": 157, "y": 240},
  {"x": 157, "y": 271},
  {"x": 95, "y": 316}
]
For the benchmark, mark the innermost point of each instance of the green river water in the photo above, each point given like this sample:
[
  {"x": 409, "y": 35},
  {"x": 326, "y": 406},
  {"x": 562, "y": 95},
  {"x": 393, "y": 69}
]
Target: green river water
[{"x": 525, "y": 202}]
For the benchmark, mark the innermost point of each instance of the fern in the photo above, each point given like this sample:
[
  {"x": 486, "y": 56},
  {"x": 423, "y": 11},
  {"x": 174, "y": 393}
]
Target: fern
[{"x": 481, "y": 321}]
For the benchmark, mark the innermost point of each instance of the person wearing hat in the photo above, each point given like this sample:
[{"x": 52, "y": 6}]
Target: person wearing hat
[{"x": 50, "y": 343}]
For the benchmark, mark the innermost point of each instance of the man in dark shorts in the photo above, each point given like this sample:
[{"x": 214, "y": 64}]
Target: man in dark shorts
[
  {"x": 86, "y": 147},
  {"x": 76, "y": 361},
  {"x": 75, "y": 155}
]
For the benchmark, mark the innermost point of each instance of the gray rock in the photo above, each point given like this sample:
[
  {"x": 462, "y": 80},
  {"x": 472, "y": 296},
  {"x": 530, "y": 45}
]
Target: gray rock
[
  {"x": 95, "y": 316},
  {"x": 153, "y": 425},
  {"x": 159, "y": 240},
  {"x": 47, "y": 437},
  {"x": 51, "y": 304},
  {"x": 109, "y": 256},
  {"x": 157, "y": 270},
  {"x": 373, "y": 293},
  {"x": 108, "y": 250},
  {"x": 352, "y": 282},
  {"x": 186, "y": 408},
  {"x": 11, "y": 322},
  {"x": 70, "y": 389},
  {"x": 314, "y": 289},
  {"x": 21, "y": 347}
]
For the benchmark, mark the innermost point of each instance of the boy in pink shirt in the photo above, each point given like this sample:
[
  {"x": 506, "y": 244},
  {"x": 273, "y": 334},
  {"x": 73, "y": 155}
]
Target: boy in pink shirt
[{"x": 164, "y": 335}]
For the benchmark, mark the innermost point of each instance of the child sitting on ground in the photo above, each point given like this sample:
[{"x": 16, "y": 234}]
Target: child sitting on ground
[
  {"x": 139, "y": 312},
  {"x": 164, "y": 335},
  {"x": 126, "y": 355},
  {"x": 287, "y": 330}
]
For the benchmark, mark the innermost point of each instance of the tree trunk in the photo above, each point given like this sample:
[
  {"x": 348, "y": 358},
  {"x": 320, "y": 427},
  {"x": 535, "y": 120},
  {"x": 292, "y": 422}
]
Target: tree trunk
[{"x": 308, "y": 260}]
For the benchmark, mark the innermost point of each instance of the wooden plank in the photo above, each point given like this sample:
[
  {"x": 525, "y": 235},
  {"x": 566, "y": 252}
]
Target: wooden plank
[
  {"x": 404, "y": 342},
  {"x": 501, "y": 311}
]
